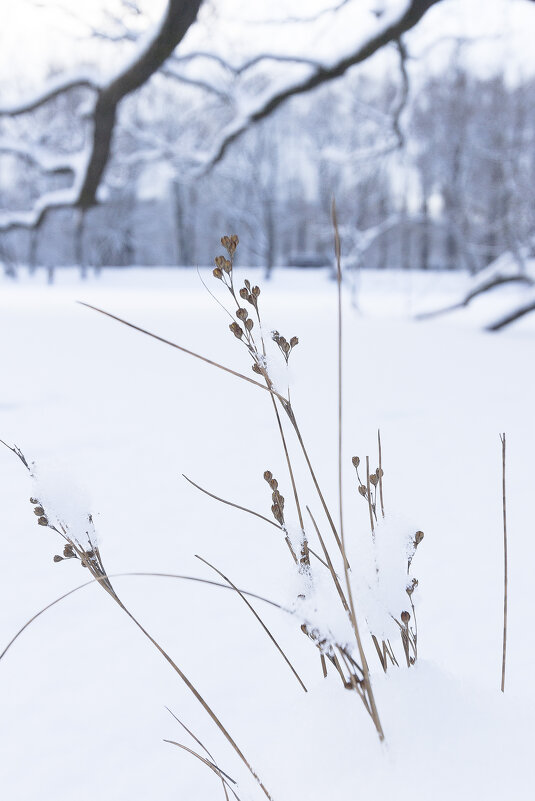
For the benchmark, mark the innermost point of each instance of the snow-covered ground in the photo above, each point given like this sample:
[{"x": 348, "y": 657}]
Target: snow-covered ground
[{"x": 83, "y": 694}]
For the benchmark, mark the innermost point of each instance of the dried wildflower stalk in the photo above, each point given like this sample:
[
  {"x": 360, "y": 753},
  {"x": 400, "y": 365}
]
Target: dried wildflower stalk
[
  {"x": 408, "y": 632},
  {"x": 246, "y": 327},
  {"x": 88, "y": 554}
]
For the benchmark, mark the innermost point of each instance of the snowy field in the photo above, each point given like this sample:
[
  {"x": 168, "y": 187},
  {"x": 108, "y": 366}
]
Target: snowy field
[{"x": 122, "y": 417}]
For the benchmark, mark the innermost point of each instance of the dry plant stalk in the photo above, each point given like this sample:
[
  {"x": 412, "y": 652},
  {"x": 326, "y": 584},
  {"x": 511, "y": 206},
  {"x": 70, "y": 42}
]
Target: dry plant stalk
[
  {"x": 504, "y": 510},
  {"x": 89, "y": 556},
  {"x": 408, "y": 632},
  {"x": 246, "y": 327}
]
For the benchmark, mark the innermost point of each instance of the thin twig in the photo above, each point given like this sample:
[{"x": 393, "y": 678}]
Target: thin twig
[
  {"x": 184, "y": 350},
  {"x": 368, "y": 691},
  {"x": 255, "y": 613},
  {"x": 204, "y": 748},
  {"x": 252, "y": 512},
  {"x": 504, "y": 504},
  {"x": 380, "y": 472}
]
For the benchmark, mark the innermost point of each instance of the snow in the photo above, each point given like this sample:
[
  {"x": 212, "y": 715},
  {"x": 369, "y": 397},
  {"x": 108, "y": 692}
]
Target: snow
[{"x": 124, "y": 416}]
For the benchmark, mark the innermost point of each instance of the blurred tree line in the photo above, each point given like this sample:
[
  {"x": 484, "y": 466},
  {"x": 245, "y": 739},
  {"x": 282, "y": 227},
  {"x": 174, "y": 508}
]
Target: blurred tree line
[{"x": 444, "y": 180}]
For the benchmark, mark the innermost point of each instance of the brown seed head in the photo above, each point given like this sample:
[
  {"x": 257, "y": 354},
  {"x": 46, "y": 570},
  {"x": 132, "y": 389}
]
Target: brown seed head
[
  {"x": 244, "y": 293},
  {"x": 356, "y": 461},
  {"x": 249, "y": 324},
  {"x": 38, "y": 511},
  {"x": 273, "y": 483},
  {"x": 256, "y": 369},
  {"x": 405, "y": 617},
  {"x": 236, "y": 330},
  {"x": 294, "y": 341},
  {"x": 418, "y": 537},
  {"x": 217, "y": 273},
  {"x": 227, "y": 266},
  {"x": 362, "y": 490},
  {"x": 255, "y": 291},
  {"x": 58, "y": 558},
  {"x": 43, "y": 521},
  {"x": 268, "y": 475},
  {"x": 68, "y": 552},
  {"x": 373, "y": 479},
  {"x": 242, "y": 314},
  {"x": 33, "y": 501},
  {"x": 247, "y": 284}
]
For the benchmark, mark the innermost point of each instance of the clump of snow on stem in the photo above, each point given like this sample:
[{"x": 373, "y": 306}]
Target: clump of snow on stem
[
  {"x": 67, "y": 506},
  {"x": 381, "y": 577}
]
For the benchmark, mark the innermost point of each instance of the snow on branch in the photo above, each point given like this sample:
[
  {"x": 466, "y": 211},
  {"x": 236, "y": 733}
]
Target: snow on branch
[
  {"x": 152, "y": 51},
  {"x": 53, "y": 89},
  {"x": 387, "y": 28}
]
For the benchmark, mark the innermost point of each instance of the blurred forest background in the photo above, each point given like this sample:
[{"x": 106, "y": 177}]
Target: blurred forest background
[{"x": 428, "y": 149}]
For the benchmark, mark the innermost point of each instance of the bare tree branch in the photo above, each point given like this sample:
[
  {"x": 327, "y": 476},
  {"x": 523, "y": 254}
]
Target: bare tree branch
[
  {"x": 177, "y": 19},
  {"x": 389, "y": 28}
]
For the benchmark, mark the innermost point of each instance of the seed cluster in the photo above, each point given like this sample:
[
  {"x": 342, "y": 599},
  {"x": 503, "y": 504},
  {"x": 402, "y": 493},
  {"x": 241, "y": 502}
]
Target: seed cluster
[
  {"x": 277, "y": 509},
  {"x": 285, "y": 347}
]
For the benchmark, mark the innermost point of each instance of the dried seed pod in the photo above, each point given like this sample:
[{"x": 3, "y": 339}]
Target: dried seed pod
[
  {"x": 405, "y": 617},
  {"x": 268, "y": 475},
  {"x": 373, "y": 479},
  {"x": 418, "y": 537},
  {"x": 38, "y": 511},
  {"x": 217, "y": 273},
  {"x": 249, "y": 324},
  {"x": 273, "y": 483},
  {"x": 34, "y": 501},
  {"x": 43, "y": 521},
  {"x": 356, "y": 461},
  {"x": 362, "y": 490},
  {"x": 219, "y": 261},
  {"x": 255, "y": 291},
  {"x": 68, "y": 552},
  {"x": 227, "y": 266},
  {"x": 236, "y": 330},
  {"x": 58, "y": 558},
  {"x": 244, "y": 294},
  {"x": 256, "y": 369},
  {"x": 294, "y": 341},
  {"x": 412, "y": 586},
  {"x": 286, "y": 347},
  {"x": 247, "y": 285},
  {"x": 379, "y": 472},
  {"x": 242, "y": 314}
]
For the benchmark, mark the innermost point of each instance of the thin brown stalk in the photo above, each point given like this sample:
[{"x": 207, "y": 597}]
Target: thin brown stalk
[
  {"x": 256, "y": 514},
  {"x": 368, "y": 691},
  {"x": 208, "y": 709},
  {"x": 304, "y": 551},
  {"x": 380, "y": 472},
  {"x": 504, "y": 507},
  {"x": 204, "y": 748},
  {"x": 368, "y": 494},
  {"x": 315, "y": 481},
  {"x": 230, "y": 503},
  {"x": 330, "y": 564},
  {"x": 184, "y": 350},
  {"x": 218, "y": 772},
  {"x": 257, "y": 616}
]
